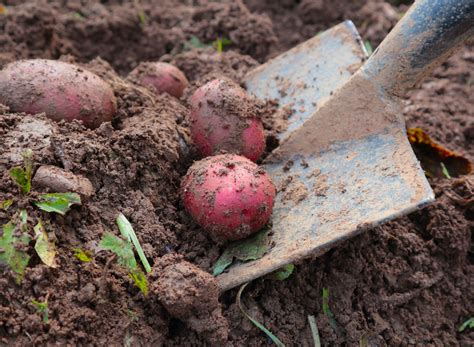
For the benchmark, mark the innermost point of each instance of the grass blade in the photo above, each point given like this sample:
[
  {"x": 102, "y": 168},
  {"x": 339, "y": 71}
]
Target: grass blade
[
  {"x": 327, "y": 311},
  {"x": 275, "y": 339},
  {"x": 467, "y": 324},
  {"x": 127, "y": 231},
  {"x": 314, "y": 330}
]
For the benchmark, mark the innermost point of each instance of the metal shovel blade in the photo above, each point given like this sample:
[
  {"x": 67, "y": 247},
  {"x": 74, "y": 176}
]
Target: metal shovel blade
[{"x": 345, "y": 164}]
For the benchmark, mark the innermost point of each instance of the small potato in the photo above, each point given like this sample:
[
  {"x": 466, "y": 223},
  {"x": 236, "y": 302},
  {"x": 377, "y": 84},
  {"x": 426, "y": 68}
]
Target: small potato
[
  {"x": 224, "y": 119},
  {"x": 61, "y": 90},
  {"x": 162, "y": 77},
  {"x": 228, "y": 195}
]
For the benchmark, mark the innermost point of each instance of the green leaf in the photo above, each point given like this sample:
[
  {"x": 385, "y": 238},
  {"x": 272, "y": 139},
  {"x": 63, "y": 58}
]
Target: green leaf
[
  {"x": 22, "y": 175},
  {"x": 42, "y": 308},
  {"x": 44, "y": 247},
  {"x": 467, "y": 324},
  {"x": 82, "y": 255},
  {"x": 24, "y": 221},
  {"x": 127, "y": 231},
  {"x": 282, "y": 273},
  {"x": 5, "y": 204},
  {"x": 275, "y": 339},
  {"x": 11, "y": 253},
  {"x": 58, "y": 202},
  {"x": 194, "y": 42},
  {"x": 251, "y": 248},
  {"x": 139, "y": 278},
  {"x": 314, "y": 331},
  {"x": 121, "y": 248},
  {"x": 327, "y": 311}
]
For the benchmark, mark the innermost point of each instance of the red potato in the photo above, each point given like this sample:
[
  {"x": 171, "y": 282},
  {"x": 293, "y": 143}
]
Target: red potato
[
  {"x": 61, "y": 90},
  {"x": 163, "y": 77},
  {"x": 228, "y": 195},
  {"x": 224, "y": 119}
]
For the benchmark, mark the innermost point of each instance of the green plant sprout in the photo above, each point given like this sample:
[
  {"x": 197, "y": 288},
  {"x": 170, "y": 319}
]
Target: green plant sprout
[
  {"x": 42, "y": 308},
  {"x": 123, "y": 249},
  {"x": 82, "y": 255},
  {"x": 445, "y": 171},
  {"x": 220, "y": 43},
  {"x": 467, "y": 324}
]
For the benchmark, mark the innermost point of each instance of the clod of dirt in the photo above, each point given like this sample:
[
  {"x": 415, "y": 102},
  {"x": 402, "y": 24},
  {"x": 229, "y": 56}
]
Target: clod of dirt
[
  {"x": 21, "y": 132},
  {"x": 191, "y": 295},
  {"x": 62, "y": 181}
]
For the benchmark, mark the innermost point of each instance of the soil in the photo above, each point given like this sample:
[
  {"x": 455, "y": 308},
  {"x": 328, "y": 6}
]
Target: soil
[{"x": 408, "y": 282}]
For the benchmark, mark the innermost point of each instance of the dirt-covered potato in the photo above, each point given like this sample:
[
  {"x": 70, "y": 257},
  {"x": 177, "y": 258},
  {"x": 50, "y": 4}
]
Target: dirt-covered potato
[
  {"x": 60, "y": 90},
  {"x": 224, "y": 118},
  {"x": 161, "y": 77},
  {"x": 228, "y": 195}
]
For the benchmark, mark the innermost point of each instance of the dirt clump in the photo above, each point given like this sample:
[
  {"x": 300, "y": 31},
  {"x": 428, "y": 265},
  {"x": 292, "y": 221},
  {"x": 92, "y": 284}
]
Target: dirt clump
[{"x": 191, "y": 295}]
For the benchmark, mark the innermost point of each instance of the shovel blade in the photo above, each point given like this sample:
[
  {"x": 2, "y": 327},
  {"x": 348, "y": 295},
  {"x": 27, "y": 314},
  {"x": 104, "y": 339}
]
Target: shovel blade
[
  {"x": 303, "y": 77},
  {"x": 348, "y": 169}
]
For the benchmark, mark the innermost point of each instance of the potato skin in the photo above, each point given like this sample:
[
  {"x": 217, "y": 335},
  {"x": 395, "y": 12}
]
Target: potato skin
[
  {"x": 61, "y": 90},
  {"x": 224, "y": 119},
  {"x": 162, "y": 77},
  {"x": 228, "y": 195}
]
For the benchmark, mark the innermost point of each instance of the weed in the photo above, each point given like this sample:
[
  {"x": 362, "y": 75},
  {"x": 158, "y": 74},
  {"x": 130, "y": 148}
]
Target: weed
[
  {"x": 220, "y": 43},
  {"x": 82, "y": 255},
  {"x": 123, "y": 249},
  {"x": 42, "y": 308}
]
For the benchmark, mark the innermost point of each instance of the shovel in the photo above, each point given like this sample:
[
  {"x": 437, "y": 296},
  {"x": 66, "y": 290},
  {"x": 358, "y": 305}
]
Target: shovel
[{"x": 344, "y": 164}]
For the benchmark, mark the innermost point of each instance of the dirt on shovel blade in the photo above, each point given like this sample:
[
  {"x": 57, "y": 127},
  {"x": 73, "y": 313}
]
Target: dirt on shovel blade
[{"x": 408, "y": 282}]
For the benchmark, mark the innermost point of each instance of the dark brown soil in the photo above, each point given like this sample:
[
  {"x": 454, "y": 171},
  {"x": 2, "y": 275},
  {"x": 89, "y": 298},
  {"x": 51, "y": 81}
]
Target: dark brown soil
[{"x": 408, "y": 282}]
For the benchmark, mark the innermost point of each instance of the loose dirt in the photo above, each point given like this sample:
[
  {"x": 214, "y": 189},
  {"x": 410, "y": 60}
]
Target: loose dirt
[{"x": 408, "y": 282}]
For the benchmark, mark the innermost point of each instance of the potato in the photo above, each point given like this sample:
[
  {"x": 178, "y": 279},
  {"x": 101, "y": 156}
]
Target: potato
[
  {"x": 161, "y": 77},
  {"x": 224, "y": 118},
  {"x": 228, "y": 195},
  {"x": 62, "y": 91}
]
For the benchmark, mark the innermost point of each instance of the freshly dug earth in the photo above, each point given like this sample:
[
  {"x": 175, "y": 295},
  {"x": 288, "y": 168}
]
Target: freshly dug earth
[{"x": 408, "y": 282}]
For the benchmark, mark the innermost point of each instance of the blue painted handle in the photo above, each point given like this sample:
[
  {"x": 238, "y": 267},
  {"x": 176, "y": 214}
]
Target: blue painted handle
[{"x": 425, "y": 37}]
